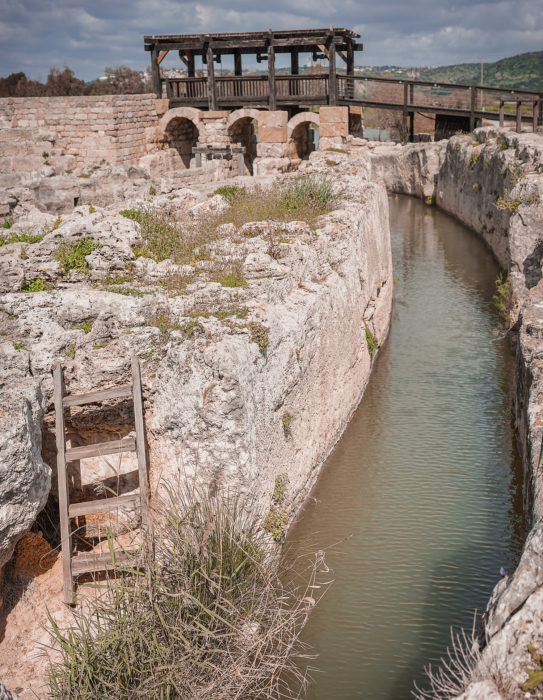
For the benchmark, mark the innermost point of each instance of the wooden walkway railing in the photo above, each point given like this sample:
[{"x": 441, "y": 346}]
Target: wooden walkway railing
[{"x": 475, "y": 102}]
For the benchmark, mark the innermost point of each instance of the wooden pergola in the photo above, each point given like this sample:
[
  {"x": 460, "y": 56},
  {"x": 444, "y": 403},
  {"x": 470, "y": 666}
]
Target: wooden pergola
[{"x": 268, "y": 91}]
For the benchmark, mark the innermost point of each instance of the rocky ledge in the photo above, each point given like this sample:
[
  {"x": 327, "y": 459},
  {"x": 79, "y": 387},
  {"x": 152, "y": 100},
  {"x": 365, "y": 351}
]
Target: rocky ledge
[{"x": 255, "y": 339}]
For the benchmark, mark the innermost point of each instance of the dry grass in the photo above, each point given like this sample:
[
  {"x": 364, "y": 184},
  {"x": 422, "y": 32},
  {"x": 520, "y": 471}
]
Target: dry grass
[
  {"x": 207, "y": 618},
  {"x": 302, "y": 198}
]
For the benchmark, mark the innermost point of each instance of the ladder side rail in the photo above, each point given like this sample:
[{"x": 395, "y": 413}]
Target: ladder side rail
[
  {"x": 63, "y": 494},
  {"x": 140, "y": 439}
]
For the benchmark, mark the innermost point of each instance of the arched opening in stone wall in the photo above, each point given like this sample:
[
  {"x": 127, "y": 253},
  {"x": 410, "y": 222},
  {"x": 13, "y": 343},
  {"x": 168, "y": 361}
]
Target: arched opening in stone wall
[
  {"x": 244, "y": 131},
  {"x": 303, "y": 140},
  {"x": 181, "y": 134}
]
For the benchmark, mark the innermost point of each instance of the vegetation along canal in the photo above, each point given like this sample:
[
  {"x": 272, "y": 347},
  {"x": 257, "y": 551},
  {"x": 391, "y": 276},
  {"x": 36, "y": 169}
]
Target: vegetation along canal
[{"x": 425, "y": 480}]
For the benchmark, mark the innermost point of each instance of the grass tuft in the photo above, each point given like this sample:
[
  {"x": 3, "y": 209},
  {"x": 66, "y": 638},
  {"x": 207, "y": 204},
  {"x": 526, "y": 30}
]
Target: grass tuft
[{"x": 207, "y": 617}]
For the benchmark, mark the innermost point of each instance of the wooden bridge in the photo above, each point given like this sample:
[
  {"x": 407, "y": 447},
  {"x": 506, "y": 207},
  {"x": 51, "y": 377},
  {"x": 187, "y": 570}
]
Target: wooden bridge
[{"x": 454, "y": 106}]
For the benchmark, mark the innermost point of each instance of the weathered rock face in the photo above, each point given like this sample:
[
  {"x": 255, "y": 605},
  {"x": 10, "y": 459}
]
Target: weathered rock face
[
  {"x": 492, "y": 181},
  {"x": 24, "y": 477},
  {"x": 241, "y": 384}
]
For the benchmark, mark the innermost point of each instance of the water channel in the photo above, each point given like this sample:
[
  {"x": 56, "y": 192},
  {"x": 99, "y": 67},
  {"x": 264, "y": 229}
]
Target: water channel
[{"x": 425, "y": 481}]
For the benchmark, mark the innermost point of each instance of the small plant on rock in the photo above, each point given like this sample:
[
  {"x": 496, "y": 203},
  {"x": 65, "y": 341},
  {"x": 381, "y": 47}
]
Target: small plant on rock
[
  {"x": 72, "y": 256},
  {"x": 286, "y": 419},
  {"x": 85, "y": 326},
  {"x": 504, "y": 300},
  {"x": 36, "y": 285},
  {"x": 371, "y": 341}
]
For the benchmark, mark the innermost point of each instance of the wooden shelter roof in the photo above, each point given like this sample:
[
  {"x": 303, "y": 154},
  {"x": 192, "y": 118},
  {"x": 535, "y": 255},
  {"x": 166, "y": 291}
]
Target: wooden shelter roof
[{"x": 283, "y": 41}]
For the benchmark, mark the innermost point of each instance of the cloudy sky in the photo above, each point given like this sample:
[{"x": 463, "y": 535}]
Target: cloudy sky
[{"x": 37, "y": 34}]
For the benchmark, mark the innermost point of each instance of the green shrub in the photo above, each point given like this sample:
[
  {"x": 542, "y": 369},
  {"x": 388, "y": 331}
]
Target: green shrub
[
  {"x": 8, "y": 223},
  {"x": 19, "y": 346},
  {"x": 286, "y": 420},
  {"x": 535, "y": 676},
  {"x": 36, "y": 285},
  {"x": 371, "y": 341},
  {"x": 229, "y": 192},
  {"x": 231, "y": 277},
  {"x": 85, "y": 326},
  {"x": 511, "y": 205},
  {"x": 22, "y": 238},
  {"x": 152, "y": 191},
  {"x": 504, "y": 300},
  {"x": 207, "y": 617},
  {"x": 132, "y": 214},
  {"x": 259, "y": 335},
  {"x": 72, "y": 256},
  {"x": 91, "y": 209},
  {"x": 280, "y": 488},
  {"x": 276, "y": 523},
  {"x": 473, "y": 160}
]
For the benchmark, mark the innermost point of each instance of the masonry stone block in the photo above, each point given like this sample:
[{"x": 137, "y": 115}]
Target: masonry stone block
[{"x": 334, "y": 114}]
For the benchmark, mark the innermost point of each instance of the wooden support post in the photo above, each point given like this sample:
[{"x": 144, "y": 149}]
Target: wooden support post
[
  {"x": 502, "y": 109},
  {"x": 473, "y": 102},
  {"x": 411, "y": 113},
  {"x": 63, "y": 501},
  {"x": 519, "y": 116},
  {"x": 332, "y": 78},
  {"x": 349, "y": 92},
  {"x": 535, "y": 114},
  {"x": 155, "y": 73},
  {"x": 294, "y": 70},
  {"x": 294, "y": 62},
  {"x": 190, "y": 65},
  {"x": 404, "y": 112},
  {"x": 237, "y": 63},
  {"x": 211, "y": 87},
  {"x": 271, "y": 78}
]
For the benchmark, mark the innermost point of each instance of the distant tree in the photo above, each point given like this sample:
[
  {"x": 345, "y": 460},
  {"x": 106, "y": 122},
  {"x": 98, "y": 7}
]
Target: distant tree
[
  {"x": 63, "y": 83},
  {"x": 121, "y": 80},
  {"x": 18, "y": 85}
]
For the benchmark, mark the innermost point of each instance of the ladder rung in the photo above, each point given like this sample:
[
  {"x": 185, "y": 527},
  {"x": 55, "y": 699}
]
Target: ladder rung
[
  {"x": 101, "y": 449},
  {"x": 102, "y": 505},
  {"x": 118, "y": 392},
  {"x": 87, "y": 563}
]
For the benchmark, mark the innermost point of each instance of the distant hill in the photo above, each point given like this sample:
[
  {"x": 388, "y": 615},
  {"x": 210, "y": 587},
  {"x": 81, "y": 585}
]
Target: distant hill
[{"x": 525, "y": 70}]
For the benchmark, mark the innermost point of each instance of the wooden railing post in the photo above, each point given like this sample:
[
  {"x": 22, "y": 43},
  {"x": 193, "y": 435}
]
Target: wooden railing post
[
  {"x": 473, "y": 102},
  {"x": 332, "y": 79},
  {"x": 211, "y": 87},
  {"x": 519, "y": 116},
  {"x": 404, "y": 111},
  {"x": 535, "y": 115},
  {"x": 502, "y": 110},
  {"x": 271, "y": 78}
]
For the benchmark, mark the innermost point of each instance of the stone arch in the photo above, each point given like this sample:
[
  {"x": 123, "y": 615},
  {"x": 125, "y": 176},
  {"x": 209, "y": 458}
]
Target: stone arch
[
  {"x": 181, "y": 129},
  {"x": 240, "y": 127},
  {"x": 300, "y": 143},
  {"x": 241, "y": 114}
]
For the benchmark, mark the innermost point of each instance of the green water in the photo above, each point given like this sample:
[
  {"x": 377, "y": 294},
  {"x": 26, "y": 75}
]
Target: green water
[{"x": 425, "y": 480}]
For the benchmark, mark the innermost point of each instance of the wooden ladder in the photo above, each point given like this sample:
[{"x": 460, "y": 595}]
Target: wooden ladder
[{"x": 87, "y": 563}]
